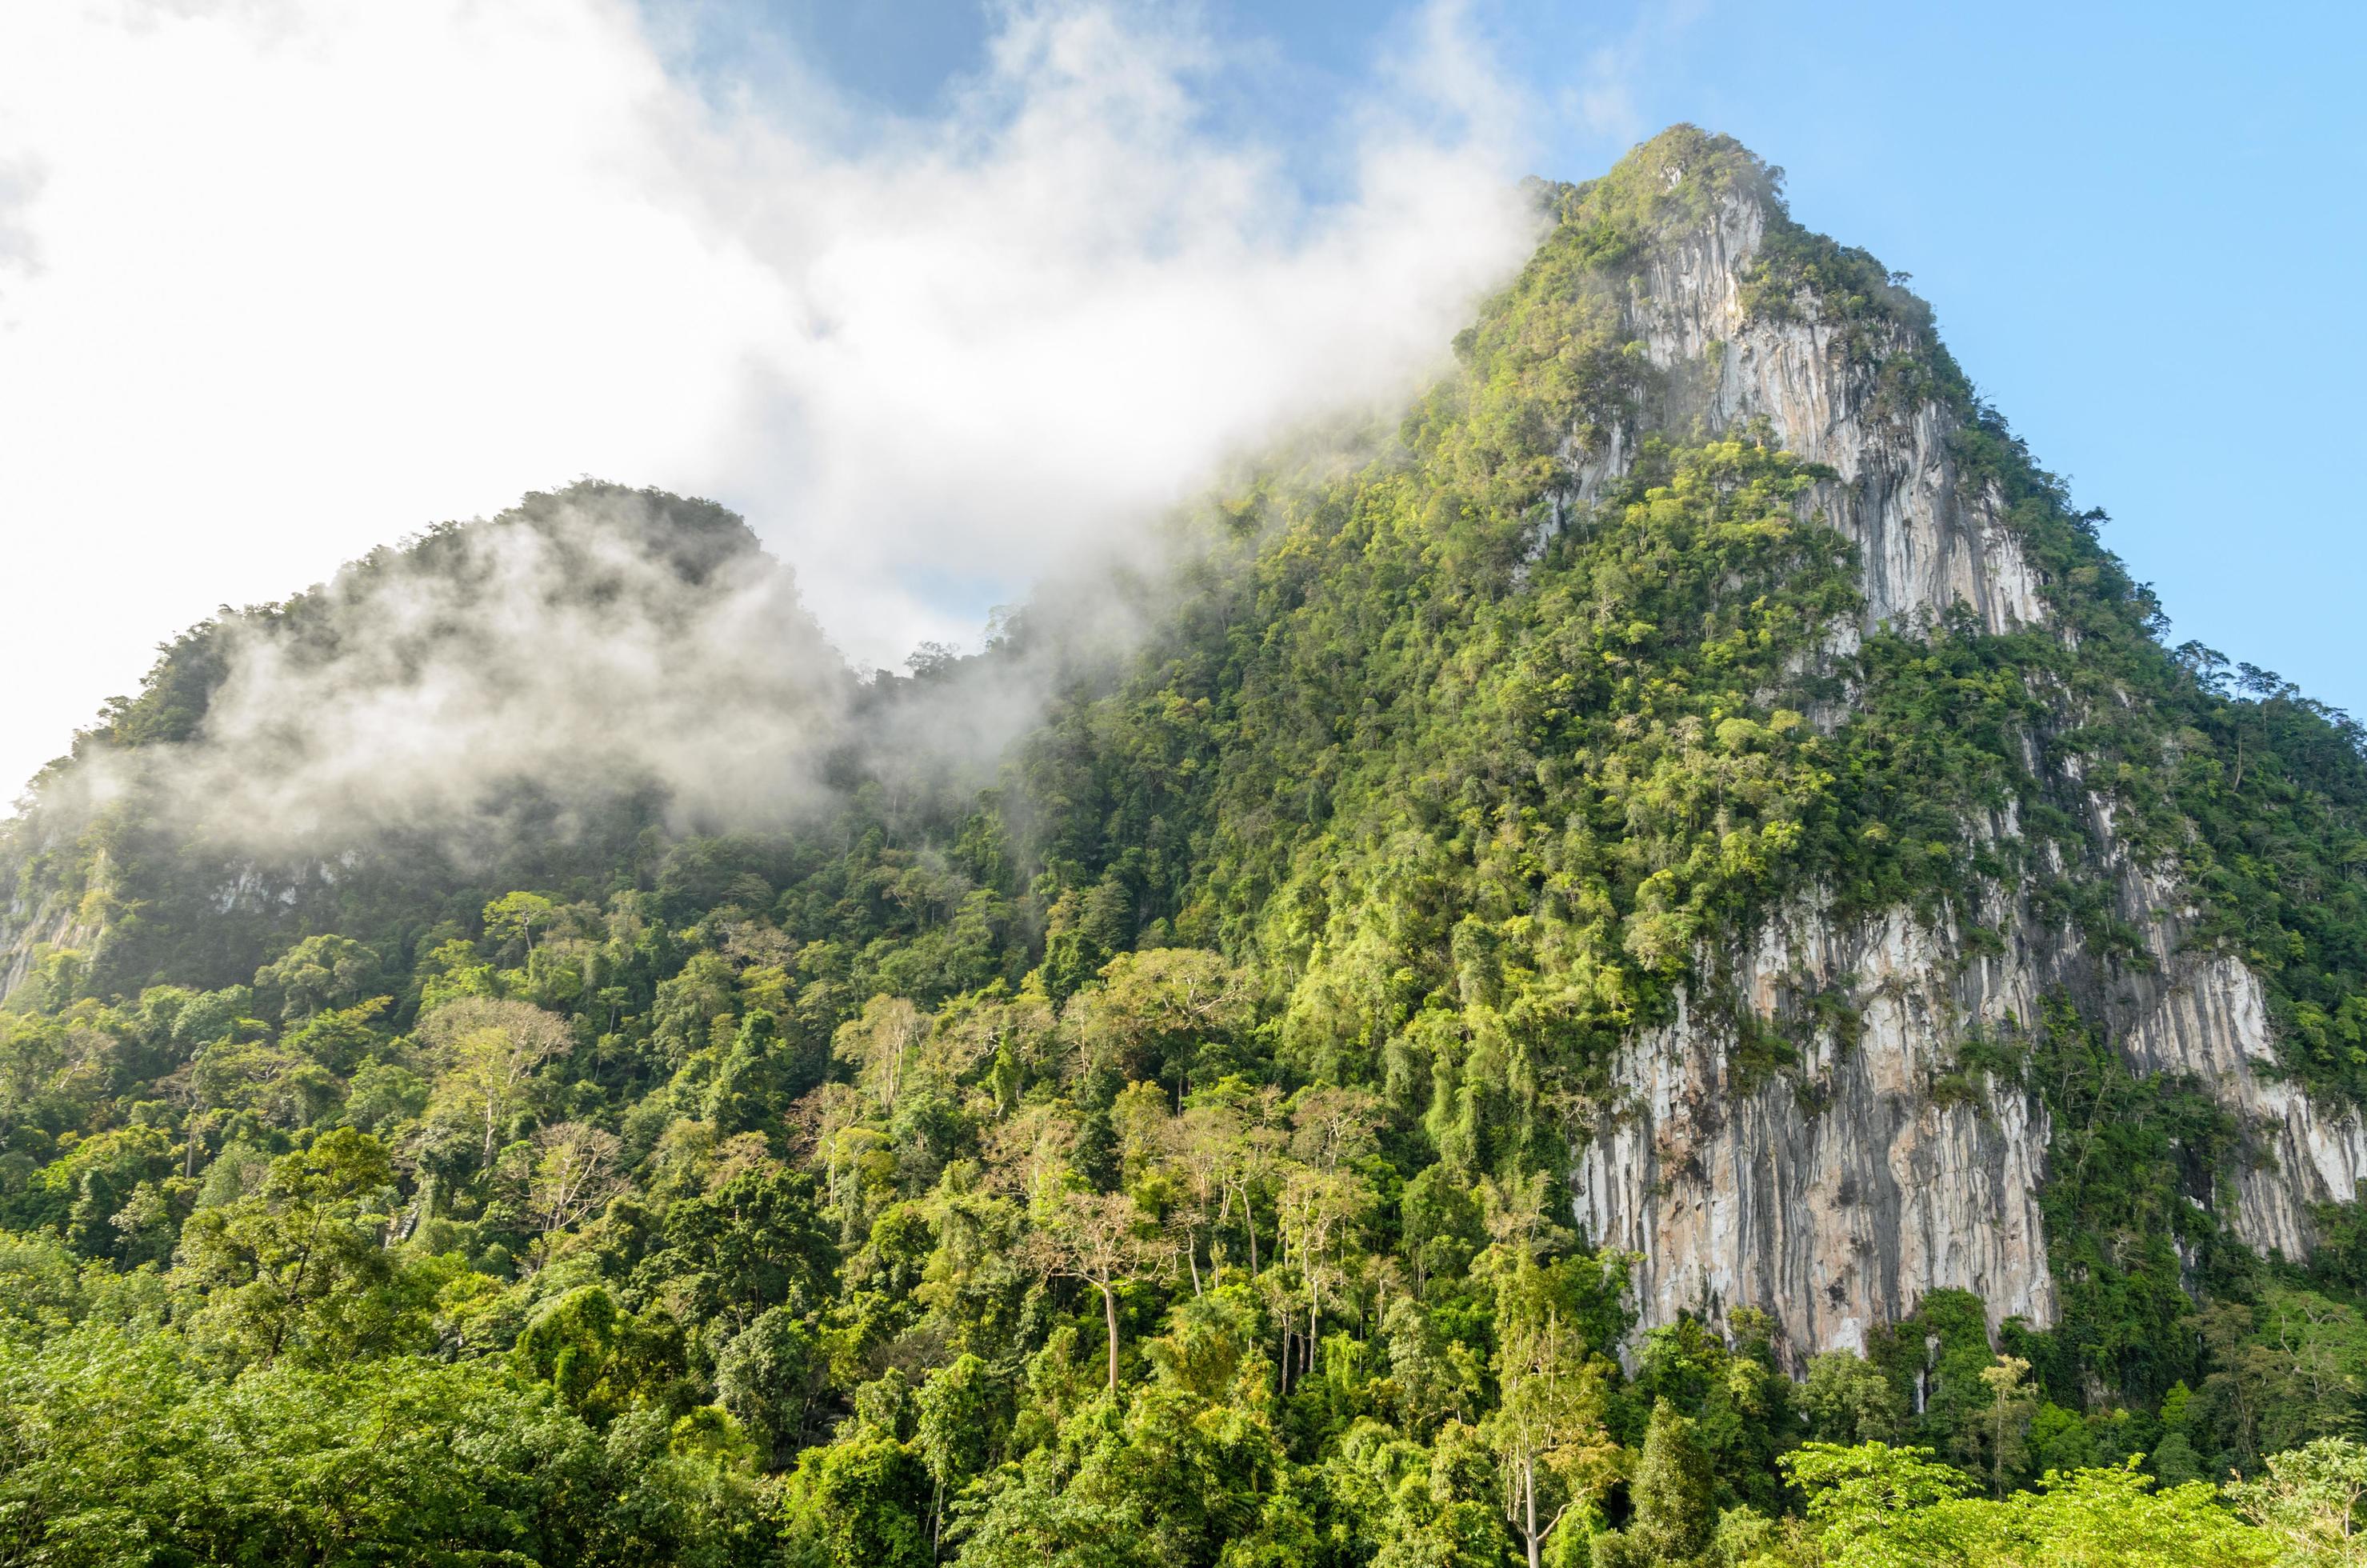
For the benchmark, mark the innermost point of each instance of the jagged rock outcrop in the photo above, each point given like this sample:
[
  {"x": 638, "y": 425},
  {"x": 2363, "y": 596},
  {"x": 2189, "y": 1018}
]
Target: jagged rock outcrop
[
  {"x": 1836, "y": 1192},
  {"x": 1926, "y": 539}
]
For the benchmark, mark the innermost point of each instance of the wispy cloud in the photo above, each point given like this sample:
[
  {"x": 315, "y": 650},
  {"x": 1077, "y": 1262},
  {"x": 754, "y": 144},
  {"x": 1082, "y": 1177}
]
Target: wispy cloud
[
  {"x": 291, "y": 281},
  {"x": 1600, "y": 98}
]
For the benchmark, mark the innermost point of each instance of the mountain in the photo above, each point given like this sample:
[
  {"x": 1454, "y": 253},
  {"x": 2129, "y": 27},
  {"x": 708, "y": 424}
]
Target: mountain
[{"x": 1673, "y": 906}]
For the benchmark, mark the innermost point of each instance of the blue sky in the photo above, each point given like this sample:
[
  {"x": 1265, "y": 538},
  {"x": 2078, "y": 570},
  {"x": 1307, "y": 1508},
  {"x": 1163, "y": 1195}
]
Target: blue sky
[{"x": 2141, "y": 225}]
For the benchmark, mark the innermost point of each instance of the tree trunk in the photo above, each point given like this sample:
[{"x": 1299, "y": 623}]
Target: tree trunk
[
  {"x": 1529, "y": 1498},
  {"x": 1109, "y": 1311}
]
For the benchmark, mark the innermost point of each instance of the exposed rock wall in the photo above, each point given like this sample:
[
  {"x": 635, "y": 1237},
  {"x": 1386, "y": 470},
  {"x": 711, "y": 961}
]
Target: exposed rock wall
[
  {"x": 29, "y": 928},
  {"x": 1836, "y": 1192},
  {"x": 2210, "y": 1021},
  {"x": 1926, "y": 540}
]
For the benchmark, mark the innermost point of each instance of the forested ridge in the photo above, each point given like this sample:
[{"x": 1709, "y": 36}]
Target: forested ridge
[{"x": 1148, "y": 1145}]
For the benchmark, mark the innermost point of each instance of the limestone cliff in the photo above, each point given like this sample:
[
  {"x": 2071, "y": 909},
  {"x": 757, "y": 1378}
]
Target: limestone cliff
[{"x": 1834, "y": 1193}]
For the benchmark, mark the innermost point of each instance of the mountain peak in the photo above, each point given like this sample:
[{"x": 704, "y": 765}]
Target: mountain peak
[
  {"x": 1704, "y": 795},
  {"x": 1675, "y": 180},
  {"x": 1675, "y": 298}
]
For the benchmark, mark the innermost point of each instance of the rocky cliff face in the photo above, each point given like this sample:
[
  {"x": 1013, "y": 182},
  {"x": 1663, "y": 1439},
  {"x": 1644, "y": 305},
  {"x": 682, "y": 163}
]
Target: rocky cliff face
[
  {"x": 26, "y": 929},
  {"x": 1836, "y": 1192},
  {"x": 1926, "y": 541},
  {"x": 35, "y": 920}
]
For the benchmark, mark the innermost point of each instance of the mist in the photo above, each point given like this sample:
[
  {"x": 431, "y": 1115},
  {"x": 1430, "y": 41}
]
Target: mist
[
  {"x": 574, "y": 647},
  {"x": 584, "y": 648},
  {"x": 589, "y": 660},
  {"x": 280, "y": 284}
]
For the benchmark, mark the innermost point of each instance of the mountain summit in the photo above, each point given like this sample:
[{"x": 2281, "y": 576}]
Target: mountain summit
[{"x": 1685, "y": 866}]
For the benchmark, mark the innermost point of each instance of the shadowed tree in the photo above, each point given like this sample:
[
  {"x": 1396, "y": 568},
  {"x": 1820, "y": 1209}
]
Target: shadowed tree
[{"x": 1674, "y": 1497}]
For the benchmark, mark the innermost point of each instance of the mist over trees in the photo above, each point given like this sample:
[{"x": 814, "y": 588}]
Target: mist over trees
[{"x": 1136, "y": 1127}]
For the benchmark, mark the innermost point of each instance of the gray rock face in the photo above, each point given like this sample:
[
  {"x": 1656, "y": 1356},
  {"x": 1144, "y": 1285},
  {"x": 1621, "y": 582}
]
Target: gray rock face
[
  {"x": 2212, "y": 1024},
  {"x": 1925, "y": 539},
  {"x": 29, "y": 928},
  {"x": 1836, "y": 1192}
]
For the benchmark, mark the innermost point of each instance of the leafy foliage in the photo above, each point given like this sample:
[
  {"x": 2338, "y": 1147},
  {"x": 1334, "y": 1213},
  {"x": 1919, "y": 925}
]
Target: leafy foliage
[{"x": 1149, "y": 1153}]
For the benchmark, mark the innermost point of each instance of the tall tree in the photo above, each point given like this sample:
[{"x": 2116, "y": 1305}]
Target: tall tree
[
  {"x": 490, "y": 1050},
  {"x": 879, "y": 1044},
  {"x": 1550, "y": 1426},
  {"x": 2005, "y": 1421},
  {"x": 1100, "y": 1238},
  {"x": 574, "y": 1173}
]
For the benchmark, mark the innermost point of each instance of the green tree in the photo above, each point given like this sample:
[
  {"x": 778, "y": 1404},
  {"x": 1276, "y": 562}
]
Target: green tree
[
  {"x": 751, "y": 1087},
  {"x": 1871, "y": 1507},
  {"x": 960, "y": 1413},
  {"x": 859, "y": 1504},
  {"x": 601, "y": 1359},
  {"x": 757, "y": 1241},
  {"x": 120, "y": 1455},
  {"x": 2314, "y": 1500},
  {"x": 766, "y": 1377},
  {"x": 300, "y": 1268},
  {"x": 1673, "y": 1494},
  {"x": 516, "y": 916},
  {"x": 1848, "y": 1400},
  {"x": 319, "y": 973}
]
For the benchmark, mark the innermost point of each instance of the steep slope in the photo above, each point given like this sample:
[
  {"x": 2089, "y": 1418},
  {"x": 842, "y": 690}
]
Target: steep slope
[
  {"x": 1517, "y": 802},
  {"x": 1843, "y": 1220},
  {"x": 1688, "y": 845}
]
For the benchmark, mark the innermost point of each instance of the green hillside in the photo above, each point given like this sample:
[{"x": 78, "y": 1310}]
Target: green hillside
[{"x": 1146, "y": 1145}]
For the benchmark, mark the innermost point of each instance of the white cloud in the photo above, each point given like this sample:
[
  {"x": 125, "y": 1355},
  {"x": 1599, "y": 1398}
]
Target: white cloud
[
  {"x": 278, "y": 282},
  {"x": 579, "y": 645}
]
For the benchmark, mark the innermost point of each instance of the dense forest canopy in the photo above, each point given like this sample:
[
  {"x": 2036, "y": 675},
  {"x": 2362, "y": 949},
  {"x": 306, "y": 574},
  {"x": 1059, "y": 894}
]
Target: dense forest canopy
[{"x": 515, "y": 1055}]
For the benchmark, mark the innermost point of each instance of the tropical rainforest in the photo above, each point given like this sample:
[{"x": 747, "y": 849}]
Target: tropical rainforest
[{"x": 1144, "y": 1140}]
